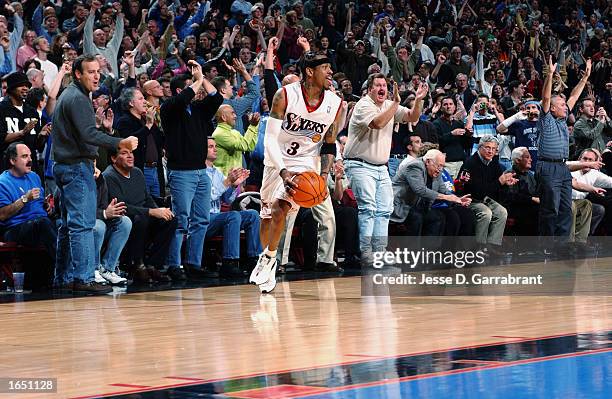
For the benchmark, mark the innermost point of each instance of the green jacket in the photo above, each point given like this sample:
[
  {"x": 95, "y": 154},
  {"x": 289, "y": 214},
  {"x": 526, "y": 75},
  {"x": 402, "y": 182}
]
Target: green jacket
[
  {"x": 231, "y": 144},
  {"x": 397, "y": 67}
]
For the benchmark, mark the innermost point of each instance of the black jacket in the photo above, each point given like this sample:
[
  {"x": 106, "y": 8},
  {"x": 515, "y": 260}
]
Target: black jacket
[
  {"x": 12, "y": 120},
  {"x": 187, "y": 134},
  {"x": 520, "y": 194},
  {"x": 484, "y": 179},
  {"x": 453, "y": 146},
  {"x": 129, "y": 125}
]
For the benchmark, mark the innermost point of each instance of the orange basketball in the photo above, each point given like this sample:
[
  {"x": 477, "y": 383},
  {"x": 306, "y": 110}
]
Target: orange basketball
[{"x": 311, "y": 189}]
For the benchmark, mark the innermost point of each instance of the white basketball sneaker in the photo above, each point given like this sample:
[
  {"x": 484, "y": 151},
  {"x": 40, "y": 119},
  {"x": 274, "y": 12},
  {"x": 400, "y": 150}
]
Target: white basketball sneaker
[
  {"x": 261, "y": 272},
  {"x": 113, "y": 278},
  {"x": 269, "y": 285},
  {"x": 98, "y": 277}
]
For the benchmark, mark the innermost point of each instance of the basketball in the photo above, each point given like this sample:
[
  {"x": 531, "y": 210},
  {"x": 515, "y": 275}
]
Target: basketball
[{"x": 311, "y": 189}]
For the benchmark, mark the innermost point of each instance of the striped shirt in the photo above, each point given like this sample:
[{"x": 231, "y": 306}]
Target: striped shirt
[
  {"x": 484, "y": 125},
  {"x": 553, "y": 140}
]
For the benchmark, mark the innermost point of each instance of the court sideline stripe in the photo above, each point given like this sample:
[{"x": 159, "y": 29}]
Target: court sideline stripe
[
  {"x": 260, "y": 374},
  {"x": 460, "y": 371}
]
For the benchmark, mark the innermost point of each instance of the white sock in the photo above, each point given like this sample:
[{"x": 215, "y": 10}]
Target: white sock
[{"x": 270, "y": 254}]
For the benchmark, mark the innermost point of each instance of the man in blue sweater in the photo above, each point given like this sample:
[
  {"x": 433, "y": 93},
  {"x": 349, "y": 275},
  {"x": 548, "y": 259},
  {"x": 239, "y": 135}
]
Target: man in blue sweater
[{"x": 23, "y": 207}]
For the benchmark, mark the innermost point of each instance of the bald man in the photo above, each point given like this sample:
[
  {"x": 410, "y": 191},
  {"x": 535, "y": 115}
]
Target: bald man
[
  {"x": 291, "y": 78},
  {"x": 230, "y": 143},
  {"x": 153, "y": 92}
]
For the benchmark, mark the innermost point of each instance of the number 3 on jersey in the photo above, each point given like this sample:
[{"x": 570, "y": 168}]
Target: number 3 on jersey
[{"x": 293, "y": 148}]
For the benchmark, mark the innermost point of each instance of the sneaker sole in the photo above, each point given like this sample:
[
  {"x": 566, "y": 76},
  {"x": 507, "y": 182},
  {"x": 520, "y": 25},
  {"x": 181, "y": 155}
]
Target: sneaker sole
[
  {"x": 257, "y": 281},
  {"x": 269, "y": 285}
]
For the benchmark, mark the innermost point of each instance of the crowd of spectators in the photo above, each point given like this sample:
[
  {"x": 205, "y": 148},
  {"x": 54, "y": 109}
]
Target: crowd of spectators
[{"x": 486, "y": 66}]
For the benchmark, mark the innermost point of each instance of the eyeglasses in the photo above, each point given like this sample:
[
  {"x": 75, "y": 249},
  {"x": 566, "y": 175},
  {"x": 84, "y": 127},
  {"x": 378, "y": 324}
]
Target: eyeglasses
[{"x": 436, "y": 165}]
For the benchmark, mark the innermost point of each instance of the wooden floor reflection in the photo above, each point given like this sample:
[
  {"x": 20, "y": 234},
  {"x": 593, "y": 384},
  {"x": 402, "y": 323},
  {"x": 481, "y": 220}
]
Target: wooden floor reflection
[{"x": 99, "y": 345}]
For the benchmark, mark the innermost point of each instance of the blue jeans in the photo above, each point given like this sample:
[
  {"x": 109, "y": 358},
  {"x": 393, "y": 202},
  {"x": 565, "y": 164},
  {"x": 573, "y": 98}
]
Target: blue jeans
[
  {"x": 555, "y": 189},
  {"x": 372, "y": 188},
  {"x": 75, "y": 239},
  {"x": 152, "y": 181},
  {"x": 229, "y": 224},
  {"x": 506, "y": 164},
  {"x": 190, "y": 190},
  {"x": 393, "y": 165},
  {"x": 116, "y": 233}
]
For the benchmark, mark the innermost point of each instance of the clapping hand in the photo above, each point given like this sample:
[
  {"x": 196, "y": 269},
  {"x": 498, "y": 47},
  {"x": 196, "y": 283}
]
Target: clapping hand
[
  {"x": 128, "y": 58},
  {"x": 422, "y": 91},
  {"x": 196, "y": 70},
  {"x": 396, "y": 95},
  {"x": 29, "y": 126},
  {"x": 507, "y": 179},
  {"x": 115, "y": 209},
  {"x": 237, "y": 176},
  {"x": 254, "y": 119},
  {"x": 107, "y": 119},
  {"x": 46, "y": 130},
  {"x": 273, "y": 44}
]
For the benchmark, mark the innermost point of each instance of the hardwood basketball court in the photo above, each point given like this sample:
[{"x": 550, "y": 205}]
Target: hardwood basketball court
[{"x": 316, "y": 337}]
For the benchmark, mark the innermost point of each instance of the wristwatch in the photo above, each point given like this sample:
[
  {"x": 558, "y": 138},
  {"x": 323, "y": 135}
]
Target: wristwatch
[{"x": 24, "y": 199}]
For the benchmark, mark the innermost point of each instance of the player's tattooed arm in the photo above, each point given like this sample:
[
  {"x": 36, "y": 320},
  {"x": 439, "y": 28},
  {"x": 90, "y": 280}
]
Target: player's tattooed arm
[
  {"x": 279, "y": 105},
  {"x": 327, "y": 159}
]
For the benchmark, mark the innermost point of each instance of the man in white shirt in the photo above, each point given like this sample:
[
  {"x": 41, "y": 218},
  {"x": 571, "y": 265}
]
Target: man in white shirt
[
  {"x": 41, "y": 45},
  {"x": 366, "y": 155},
  {"x": 596, "y": 178}
]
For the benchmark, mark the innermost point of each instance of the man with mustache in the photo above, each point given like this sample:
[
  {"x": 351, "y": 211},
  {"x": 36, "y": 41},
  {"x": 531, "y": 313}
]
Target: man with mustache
[{"x": 23, "y": 207}]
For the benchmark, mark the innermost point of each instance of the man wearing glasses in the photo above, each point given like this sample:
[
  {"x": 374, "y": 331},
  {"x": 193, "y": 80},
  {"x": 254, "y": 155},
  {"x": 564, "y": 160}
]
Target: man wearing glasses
[
  {"x": 486, "y": 180},
  {"x": 416, "y": 188}
]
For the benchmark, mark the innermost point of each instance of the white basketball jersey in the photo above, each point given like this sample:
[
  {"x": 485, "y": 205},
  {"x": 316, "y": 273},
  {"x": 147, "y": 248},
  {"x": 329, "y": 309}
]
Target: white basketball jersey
[{"x": 304, "y": 127}]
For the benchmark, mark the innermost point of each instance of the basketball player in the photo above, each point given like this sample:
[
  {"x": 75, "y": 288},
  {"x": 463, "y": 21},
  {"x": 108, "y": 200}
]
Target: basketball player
[{"x": 302, "y": 126}]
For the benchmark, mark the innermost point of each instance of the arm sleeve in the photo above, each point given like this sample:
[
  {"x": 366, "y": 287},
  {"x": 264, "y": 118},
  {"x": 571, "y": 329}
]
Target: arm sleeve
[
  {"x": 363, "y": 114},
  {"x": 270, "y": 84},
  {"x": 117, "y": 37},
  {"x": 237, "y": 142},
  {"x": 102, "y": 198},
  {"x": 37, "y": 19},
  {"x": 603, "y": 181},
  {"x": 88, "y": 44},
  {"x": 229, "y": 195},
  {"x": 582, "y": 130},
  {"x": 210, "y": 104},
  {"x": 85, "y": 126},
  {"x": 178, "y": 103},
  {"x": 16, "y": 37},
  {"x": 272, "y": 149},
  {"x": 414, "y": 177}
]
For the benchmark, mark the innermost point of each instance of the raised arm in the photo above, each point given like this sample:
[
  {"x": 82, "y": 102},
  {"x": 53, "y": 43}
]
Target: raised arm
[
  {"x": 385, "y": 117},
  {"x": 575, "y": 95},
  {"x": 55, "y": 87},
  {"x": 415, "y": 113},
  {"x": 547, "y": 89}
]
